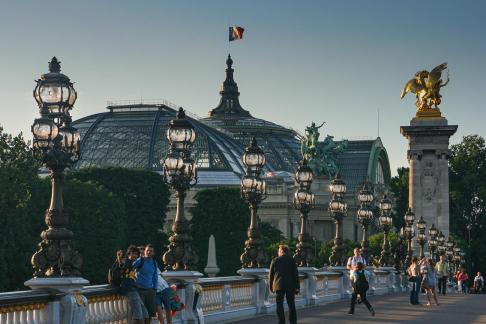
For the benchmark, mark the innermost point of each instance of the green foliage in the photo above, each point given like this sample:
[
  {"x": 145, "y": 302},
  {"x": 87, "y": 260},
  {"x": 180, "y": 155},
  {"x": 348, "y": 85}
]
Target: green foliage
[
  {"x": 107, "y": 208},
  {"x": 145, "y": 197},
  {"x": 18, "y": 173},
  {"x": 399, "y": 188},
  {"x": 224, "y": 214},
  {"x": 468, "y": 198},
  {"x": 375, "y": 243}
]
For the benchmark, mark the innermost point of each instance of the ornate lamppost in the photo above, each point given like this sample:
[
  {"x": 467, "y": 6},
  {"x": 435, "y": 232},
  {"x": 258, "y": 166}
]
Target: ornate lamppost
[
  {"x": 386, "y": 223},
  {"x": 337, "y": 210},
  {"x": 253, "y": 191},
  {"x": 304, "y": 202},
  {"x": 457, "y": 258},
  {"x": 56, "y": 144},
  {"x": 433, "y": 242},
  {"x": 449, "y": 250},
  {"x": 180, "y": 173},
  {"x": 365, "y": 215},
  {"x": 409, "y": 233},
  {"x": 421, "y": 237},
  {"x": 441, "y": 247}
]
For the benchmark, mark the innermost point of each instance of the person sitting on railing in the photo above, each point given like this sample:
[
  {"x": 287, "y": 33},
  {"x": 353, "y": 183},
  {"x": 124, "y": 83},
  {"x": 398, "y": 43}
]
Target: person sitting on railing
[
  {"x": 128, "y": 287},
  {"x": 353, "y": 261},
  {"x": 162, "y": 299},
  {"x": 114, "y": 274},
  {"x": 284, "y": 281},
  {"x": 147, "y": 279}
]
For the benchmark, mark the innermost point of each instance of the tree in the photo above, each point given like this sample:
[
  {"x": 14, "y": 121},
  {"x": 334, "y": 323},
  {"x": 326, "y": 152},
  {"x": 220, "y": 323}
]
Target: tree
[
  {"x": 18, "y": 172},
  {"x": 468, "y": 197},
  {"x": 224, "y": 214},
  {"x": 97, "y": 218},
  {"x": 399, "y": 188},
  {"x": 145, "y": 196}
]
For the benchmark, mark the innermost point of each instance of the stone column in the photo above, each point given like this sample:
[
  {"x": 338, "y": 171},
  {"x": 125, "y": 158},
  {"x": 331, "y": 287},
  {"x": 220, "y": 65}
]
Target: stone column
[{"x": 428, "y": 153}]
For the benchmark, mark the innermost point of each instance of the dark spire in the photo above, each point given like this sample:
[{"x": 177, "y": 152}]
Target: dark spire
[
  {"x": 229, "y": 106},
  {"x": 54, "y": 65}
]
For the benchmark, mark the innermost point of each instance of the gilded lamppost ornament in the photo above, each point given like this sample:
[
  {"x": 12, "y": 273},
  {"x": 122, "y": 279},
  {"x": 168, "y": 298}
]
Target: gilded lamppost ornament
[
  {"x": 57, "y": 145},
  {"x": 304, "y": 202},
  {"x": 426, "y": 87},
  {"x": 321, "y": 156},
  {"x": 253, "y": 191},
  {"x": 181, "y": 174}
]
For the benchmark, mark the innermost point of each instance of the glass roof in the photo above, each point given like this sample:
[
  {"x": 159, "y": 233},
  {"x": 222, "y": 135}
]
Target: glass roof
[{"x": 135, "y": 137}]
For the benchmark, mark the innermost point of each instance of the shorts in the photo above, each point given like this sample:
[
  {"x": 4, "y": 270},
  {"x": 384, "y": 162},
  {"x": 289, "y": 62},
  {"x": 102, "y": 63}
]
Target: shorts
[
  {"x": 162, "y": 298},
  {"x": 139, "y": 312},
  {"x": 148, "y": 298}
]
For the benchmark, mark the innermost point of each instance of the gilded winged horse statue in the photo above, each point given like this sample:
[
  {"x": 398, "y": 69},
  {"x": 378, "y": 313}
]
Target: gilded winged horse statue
[{"x": 426, "y": 87}]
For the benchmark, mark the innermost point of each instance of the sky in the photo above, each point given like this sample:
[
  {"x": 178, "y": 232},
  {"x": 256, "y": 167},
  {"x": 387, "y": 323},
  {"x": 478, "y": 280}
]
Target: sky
[{"x": 342, "y": 62}]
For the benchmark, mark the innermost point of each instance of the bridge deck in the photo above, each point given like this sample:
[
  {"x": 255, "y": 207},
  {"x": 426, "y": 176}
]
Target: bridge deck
[{"x": 454, "y": 308}]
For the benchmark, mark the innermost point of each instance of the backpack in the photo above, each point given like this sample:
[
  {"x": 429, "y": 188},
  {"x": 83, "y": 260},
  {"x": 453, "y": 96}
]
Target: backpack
[
  {"x": 115, "y": 275},
  {"x": 362, "y": 284}
]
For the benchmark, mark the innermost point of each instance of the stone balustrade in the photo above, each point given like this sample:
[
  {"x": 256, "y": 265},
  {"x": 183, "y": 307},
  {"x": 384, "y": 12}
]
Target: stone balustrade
[{"x": 221, "y": 299}]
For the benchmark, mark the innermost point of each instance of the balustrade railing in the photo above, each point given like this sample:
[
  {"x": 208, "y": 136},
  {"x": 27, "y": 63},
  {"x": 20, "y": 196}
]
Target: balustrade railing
[{"x": 221, "y": 299}]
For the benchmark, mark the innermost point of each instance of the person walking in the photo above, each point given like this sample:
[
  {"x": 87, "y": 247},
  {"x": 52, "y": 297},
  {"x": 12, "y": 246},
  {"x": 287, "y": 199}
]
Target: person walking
[
  {"x": 429, "y": 280},
  {"x": 360, "y": 283},
  {"x": 284, "y": 281},
  {"x": 413, "y": 272},
  {"x": 462, "y": 279},
  {"x": 147, "y": 279},
  {"x": 442, "y": 268},
  {"x": 478, "y": 283},
  {"x": 128, "y": 287}
]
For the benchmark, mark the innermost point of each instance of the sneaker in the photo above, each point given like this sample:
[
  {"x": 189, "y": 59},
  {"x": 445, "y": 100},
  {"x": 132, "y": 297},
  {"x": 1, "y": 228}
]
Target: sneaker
[
  {"x": 350, "y": 313},
  {"x": 372, "y": 312}
]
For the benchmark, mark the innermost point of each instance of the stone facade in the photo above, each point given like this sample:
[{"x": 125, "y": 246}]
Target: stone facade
[{"x": 428, "y": 154}]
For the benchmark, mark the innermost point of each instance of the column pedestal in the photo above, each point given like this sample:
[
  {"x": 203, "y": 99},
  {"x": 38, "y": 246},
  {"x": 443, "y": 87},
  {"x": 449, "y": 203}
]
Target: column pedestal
[
  {"x": 346, "y": 289},
  {"x": 310, "y": 289},
  {"x": 191, "y": 313},
  {"x": 262, "y": 288},
  {"x": 73, "y": 306}
]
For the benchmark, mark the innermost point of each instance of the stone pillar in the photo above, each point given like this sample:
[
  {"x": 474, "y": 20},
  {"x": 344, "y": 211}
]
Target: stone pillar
[
  {"x": 263, "y": 287},
  {"x": 212, "y": 268},
  {"x": 311, "y": 285},
  {"x": 72, "y": 307},
  {"x": 189, "y": 278},
  {"x": 428, "y": 153}
]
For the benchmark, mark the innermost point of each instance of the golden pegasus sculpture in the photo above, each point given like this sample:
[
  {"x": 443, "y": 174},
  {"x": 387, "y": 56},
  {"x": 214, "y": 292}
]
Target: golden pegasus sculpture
[{"x": 426, "y": 87}]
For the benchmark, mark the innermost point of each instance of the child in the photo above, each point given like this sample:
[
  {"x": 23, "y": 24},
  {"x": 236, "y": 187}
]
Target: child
[
  {"x": 162, "y": 299},
  {"x": 359, "y": 281}
]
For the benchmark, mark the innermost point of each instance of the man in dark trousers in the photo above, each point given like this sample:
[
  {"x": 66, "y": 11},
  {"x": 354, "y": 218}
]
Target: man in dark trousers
[{"x": 284, "y": 281}]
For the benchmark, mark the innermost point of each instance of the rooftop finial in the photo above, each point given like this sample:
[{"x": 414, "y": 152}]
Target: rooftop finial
[
  {"x": 229, "y": 61},
  {"x": 181, "y": 114},
  {"x": 54, "y": 65}
]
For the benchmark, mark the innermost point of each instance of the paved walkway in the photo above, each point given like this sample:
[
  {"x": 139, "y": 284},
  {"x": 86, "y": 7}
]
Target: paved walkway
[{"x": 454, "y": 308}]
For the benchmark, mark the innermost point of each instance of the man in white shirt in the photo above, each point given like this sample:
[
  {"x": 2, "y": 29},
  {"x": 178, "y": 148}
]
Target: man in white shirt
[{"x": 353, "y": 261}]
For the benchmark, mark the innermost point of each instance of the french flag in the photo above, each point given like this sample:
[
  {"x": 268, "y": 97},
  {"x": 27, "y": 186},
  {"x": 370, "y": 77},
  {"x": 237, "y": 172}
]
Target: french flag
[{"x": 236, "y": 33}]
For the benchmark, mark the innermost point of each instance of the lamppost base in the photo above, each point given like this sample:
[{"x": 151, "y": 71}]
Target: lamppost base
[
  {"x": 346, "y": 282},
  {"x": 263, "y": 287},
  {"x": 190, "y": 278},
  {"x": 73, "y": 305}
]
